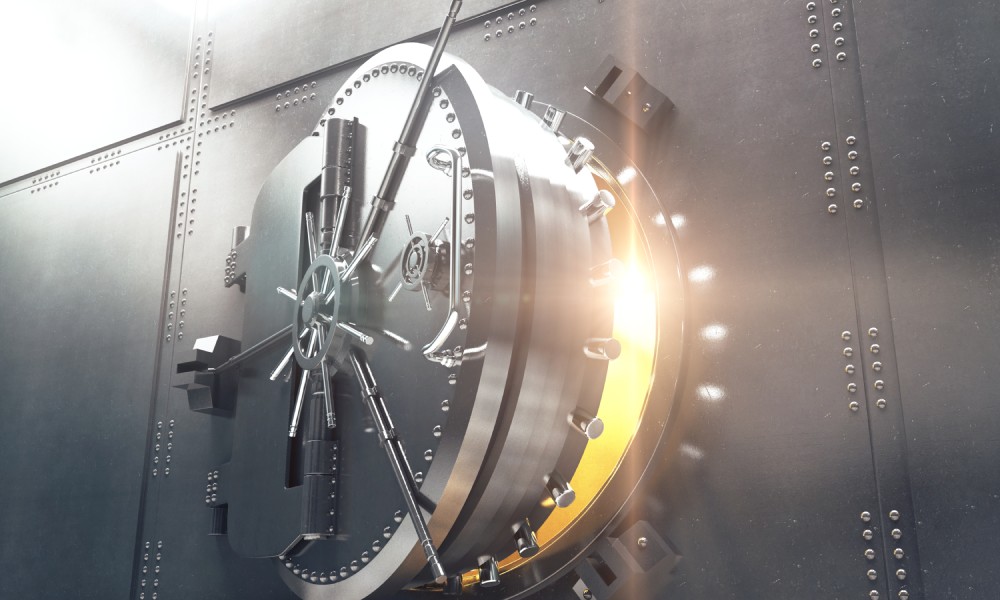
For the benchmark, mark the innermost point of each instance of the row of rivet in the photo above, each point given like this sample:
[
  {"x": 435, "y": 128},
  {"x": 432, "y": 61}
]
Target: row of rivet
[
  {"x": 854, "y": 170},
  {"x": 172, "y": 304},
  {"x": 868, "y": 535},
  {"x": 510, "y": 27},
  {"x": 852, "y": 387},
  {"x": 157, "y": 566},
  {"x": 837, "y": 26},
  {"x": 157, "y": 446},
  {"x": 291, "y": 96}
]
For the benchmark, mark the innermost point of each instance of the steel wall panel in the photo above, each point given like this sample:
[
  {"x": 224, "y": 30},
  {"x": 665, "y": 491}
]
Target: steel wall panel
[
  {"x": 265, "y": 44},
  {"x": 82, "y": 269},
  {"x": 771, "y": 458},
  {"x": 79, "y": 76},
  {"x": 930, "y": 76}
]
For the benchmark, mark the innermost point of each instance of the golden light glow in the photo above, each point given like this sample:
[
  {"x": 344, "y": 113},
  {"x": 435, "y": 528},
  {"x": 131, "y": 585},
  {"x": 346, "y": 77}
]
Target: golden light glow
[{"x": 628, "y": 379}]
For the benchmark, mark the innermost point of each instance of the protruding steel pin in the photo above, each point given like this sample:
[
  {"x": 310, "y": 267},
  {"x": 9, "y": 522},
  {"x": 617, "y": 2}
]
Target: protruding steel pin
[
  {"x": 525, "y": 99},
  {"x": 553, "y": 118},
  {"x": 363, "y": 337},
  {"x": 586, "y": 423},
  {"x": 606, "y": 272},
  {"x": 602, "y": 348},
  {"x": 524, "y": 538},
  {"x": 598, "y": 206},
  {"x": 489, "y": 572},
  {"x": 579, "y": 153},
  {"x": 453, "y": 587},
  {"x": 560, "y": 490},
  {"x": 289, "y": 293}
]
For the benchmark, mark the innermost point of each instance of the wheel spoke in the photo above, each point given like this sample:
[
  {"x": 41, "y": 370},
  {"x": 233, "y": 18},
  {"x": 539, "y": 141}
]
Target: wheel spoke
[
  {"x": 397, "y": 457},
  {"x": 303, "y": 385}
]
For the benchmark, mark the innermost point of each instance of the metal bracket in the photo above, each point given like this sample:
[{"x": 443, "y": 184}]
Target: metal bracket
[
  {"x": 617, "y": 567},
  {"x": 209, "y": 392},
  {"x": 629, "y": 93}
]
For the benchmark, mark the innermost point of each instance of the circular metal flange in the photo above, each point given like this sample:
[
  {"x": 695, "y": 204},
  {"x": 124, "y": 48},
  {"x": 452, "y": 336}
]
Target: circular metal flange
[{"x": 317, "y": 306}]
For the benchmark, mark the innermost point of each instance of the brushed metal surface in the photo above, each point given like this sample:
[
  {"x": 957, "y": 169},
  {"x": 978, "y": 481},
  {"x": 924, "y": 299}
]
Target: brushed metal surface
[
  {"x": 931, "y": 119},
  {"x": 262, "y": 44},
  {"x": 79, "y": 320},
  {"x": 79, "y": 76}
]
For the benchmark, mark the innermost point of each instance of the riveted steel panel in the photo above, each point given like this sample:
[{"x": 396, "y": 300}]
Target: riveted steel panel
[
  {"x": 259, "y": 44},
  {"x": 82, "y": 264},
  {"x": 930, "y": 76},
  {"x": 79, "y": 76}
]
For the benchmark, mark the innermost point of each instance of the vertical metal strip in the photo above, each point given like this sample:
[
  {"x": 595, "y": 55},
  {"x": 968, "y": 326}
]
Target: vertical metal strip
[{"x": 895, "y": 520}]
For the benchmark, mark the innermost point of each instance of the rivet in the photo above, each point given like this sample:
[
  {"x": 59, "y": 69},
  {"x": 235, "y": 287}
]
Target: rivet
[
  {"x": 872, "y": 332},
  {"x": 877, "y": 366},
  {"x": 896, "y": 534},
  {"x": 811, "y": 6},
  {"x": 814, "y": 48},
  {"x": 849, "y": 369},
  {"x": 817, "y": 63},
  {"x": 879, "y": 385},
  {"x": 831, "y": 192},
  {"x": 866, "y": 516},
  {"x": 852, "y": 387},
  {"x": 838, "y": 26},
  {"x": 854, "y": 406},
  {"x": 901, "y": 574},
  {"x": 873, "y": 594},
  {"x": 856, "y": 187},
  {"x": 828, "y": 176},
  {"x": 868, "y": 534},
  {"x": 838, "y": 42},
  {"x": 898, "y": 553},
  {"x": 852, "y": 155},
  {"x": 846, "y": 336},
  {"x": 894, "y": 515},
  {"x": 832, "y": 209},
  {"x": 874, "y": 348},
  {"x": 848, "y": 352},
  {"x": 872, "y": 574},
  {"x": 851, "y": 140},
  {"x": 880, "y": 403},
  {"x": 835, "y": 13},
  {"x": 859, "y": 203},
  {"x": 825, "y": 146},
  {"x": 813, "y": 33},
  {"x": 812, "y": 19},
  {"x": 841, "y": 56},
  {"x": 870, "y": 554},
  {"x": 904, "y": 594},
  {"x": 827, "y": 160}
]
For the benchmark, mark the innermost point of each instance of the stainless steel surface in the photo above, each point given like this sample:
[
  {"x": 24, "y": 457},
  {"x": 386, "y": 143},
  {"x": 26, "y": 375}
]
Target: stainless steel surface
[
  {"x": 763, "y": 460},
  {"x": 120, "y": 65},
  {"x": 394, "y": 451},
  {"x": 254, "y": 58},
  {"x": 81, "y": 334}
]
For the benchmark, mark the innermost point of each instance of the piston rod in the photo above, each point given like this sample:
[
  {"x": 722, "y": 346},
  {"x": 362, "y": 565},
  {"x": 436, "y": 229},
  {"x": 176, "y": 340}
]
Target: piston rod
[
  {"x": 406, "y": 147},
  {"x": 394, "y": 450}
]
